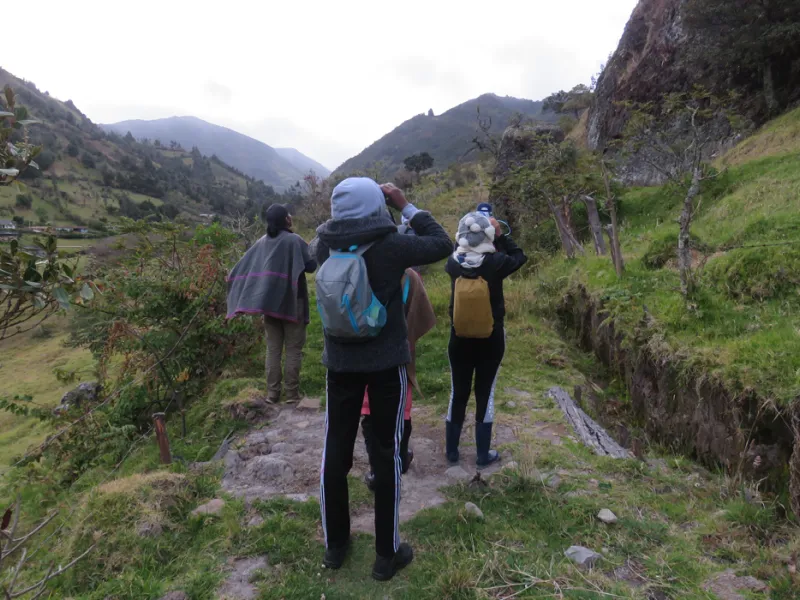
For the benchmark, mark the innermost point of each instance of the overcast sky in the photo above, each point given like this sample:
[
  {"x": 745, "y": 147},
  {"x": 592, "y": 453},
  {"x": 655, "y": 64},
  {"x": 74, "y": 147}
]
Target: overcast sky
[{"x": 327, "y": 77}]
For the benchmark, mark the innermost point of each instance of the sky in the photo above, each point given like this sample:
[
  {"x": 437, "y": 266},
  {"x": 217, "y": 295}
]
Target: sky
[{"x": 327, "y": 77}]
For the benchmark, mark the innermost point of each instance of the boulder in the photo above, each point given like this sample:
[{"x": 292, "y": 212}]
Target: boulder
[
  {"x": 213, "y": 507},
  {"x": 309, "y": 404},
  {"x": 457, "y": 473},
  {"x": 473, "y": 510},
  {"x": 583, "y": 557},
  {"x": 607, "y": 517},
  {"x": 268, "y": 468},
  {"x": 85, "y": 393}
]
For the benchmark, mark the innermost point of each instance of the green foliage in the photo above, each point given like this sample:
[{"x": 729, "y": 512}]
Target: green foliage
[
  {"x": 162, "y": 315},
  {"x": 758, "y": 273},
  {"x": 24, "y": 201},
  {"x": 15, "y": 156},
  {"x": 73, "y": 150},
  {"x": 33, "y": 287},
  {"x": 87, "y": 160},
  {"x": 418, "y": 162},
  {"x": 572, "y": 103}
]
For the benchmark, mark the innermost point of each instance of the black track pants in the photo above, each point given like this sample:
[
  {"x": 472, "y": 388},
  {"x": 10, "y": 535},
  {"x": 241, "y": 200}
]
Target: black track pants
[
  {"x": 479, "y": 359},
  {"x": 345, "y": 395}
]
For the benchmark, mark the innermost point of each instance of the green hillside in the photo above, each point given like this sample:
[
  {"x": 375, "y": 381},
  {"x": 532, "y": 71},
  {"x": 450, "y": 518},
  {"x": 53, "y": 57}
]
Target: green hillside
[
  {"x": 681, "y": 527},
  {"x": 89, "y": 177},
  {"x": 446, "y": 137}
]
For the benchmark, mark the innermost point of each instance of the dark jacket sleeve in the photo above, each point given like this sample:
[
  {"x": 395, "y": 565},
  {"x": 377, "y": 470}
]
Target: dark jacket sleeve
[
  {"x": 512, "y": 257},
  {"x": 308, "y": 260},
  {"x": 430, "y": 245}
]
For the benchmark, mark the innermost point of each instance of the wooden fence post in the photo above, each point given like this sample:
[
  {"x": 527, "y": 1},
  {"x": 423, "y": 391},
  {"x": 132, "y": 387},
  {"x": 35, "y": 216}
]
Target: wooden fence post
[{"x": 162, "y": 438}]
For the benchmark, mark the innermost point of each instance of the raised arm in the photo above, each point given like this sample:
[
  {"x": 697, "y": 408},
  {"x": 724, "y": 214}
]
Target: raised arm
[
  {"x": 513, "y": 256},
  {"x": 431, "y": 242}
]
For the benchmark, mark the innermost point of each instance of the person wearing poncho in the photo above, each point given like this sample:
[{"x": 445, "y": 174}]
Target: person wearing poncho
[{"x": 269, "y": 280}]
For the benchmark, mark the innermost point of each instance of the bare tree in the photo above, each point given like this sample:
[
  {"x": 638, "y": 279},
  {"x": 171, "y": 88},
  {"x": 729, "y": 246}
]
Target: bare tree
[
  {"x": 13, "y": 584},
  {"x": 673, "y": 139}
]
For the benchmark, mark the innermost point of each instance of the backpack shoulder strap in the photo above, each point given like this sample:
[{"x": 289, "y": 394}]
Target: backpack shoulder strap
[
  {"x": 406, "y": 287},
  {"x": 357, "y": 250}
]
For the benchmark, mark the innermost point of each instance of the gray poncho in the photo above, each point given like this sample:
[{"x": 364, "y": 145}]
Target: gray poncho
[{"x": 268, "y": 280}]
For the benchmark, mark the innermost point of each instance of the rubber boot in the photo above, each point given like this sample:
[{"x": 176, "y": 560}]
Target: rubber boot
[
  {"x": 483, "y": 439},
  {"x": 452, "y": 435}
]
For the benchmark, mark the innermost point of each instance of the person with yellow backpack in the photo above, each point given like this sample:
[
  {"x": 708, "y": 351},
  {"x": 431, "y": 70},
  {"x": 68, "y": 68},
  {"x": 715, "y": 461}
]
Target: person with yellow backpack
[{"x": 483, "y": 258}]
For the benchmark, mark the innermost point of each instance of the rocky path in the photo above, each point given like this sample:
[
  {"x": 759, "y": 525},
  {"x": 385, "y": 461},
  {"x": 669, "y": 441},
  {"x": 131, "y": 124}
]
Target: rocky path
[{"x": 282, "y": 457}]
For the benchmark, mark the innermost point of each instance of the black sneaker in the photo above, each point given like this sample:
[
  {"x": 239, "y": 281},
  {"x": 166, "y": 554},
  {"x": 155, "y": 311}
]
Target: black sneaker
[
  {"x": 369, "y": 479},
  {"x": 386, "y": 568},
  {"x": 334, "y": 557}
]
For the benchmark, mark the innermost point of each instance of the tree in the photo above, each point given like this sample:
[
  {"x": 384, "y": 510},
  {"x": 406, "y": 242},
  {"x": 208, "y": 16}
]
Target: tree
[
  {"x": 15, "y": 156},
  {"x": 41, "y": 212},
  {"x": 753, "y": 41},
  {"x": 573, "y": 102},
  {"x": 87, "y": 160},
  {"x": 23, "y": 201},
  {"x": 20, "y": 221},
  {"x": 418, "y": 162},
  {"x": 430, "y": 112},
  {"x": 73, "y": 150},
  {"x": 673, "y": 138}
]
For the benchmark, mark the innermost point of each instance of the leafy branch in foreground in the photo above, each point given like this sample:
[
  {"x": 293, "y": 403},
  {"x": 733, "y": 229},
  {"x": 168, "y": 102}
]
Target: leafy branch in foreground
[
  {"x": 35, "y": 285},
  {"x": 13, "y": 583},
  {"x": 16, "y": 153}
]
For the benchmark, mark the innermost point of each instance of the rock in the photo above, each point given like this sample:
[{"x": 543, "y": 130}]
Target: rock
[
  {"x": 553, "y": 482},
  {"x": 149, "y": 530},
  {"x": 213, "y": 507},
  {"x": 727, "y": 585},
  {"x": 511, "y": 466},
  {"x": 253, "y": 450},
  {"x": 607, "y": 517},
  {"x": 583, "y": 557},
  {"x": 176, "y": 596},
  {"x": 511, "y": 404},
  {"x": 473, "y": 509},
  {"x": 309, "y": 404},
  {"x": 298, "y": 497},
  {"x": 457, "y": 473},
  {"x": 302, "y": 424},
  {"x": 255, "y": 521},
  {"x": 268, "y": 468},
  {"x": 85, "y": 393},
  {"x": 282, "y": 448}
]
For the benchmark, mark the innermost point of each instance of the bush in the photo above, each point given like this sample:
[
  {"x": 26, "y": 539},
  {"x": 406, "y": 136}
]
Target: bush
[
  {"x": 24, "y": 201},
  {"x": 87, "y": 160},
  {"x": 45, "y": 159},
  {"x": 73, "y": 150},
  {"x": 664, "y": 248},
  {"x": 757, "y": 273}
]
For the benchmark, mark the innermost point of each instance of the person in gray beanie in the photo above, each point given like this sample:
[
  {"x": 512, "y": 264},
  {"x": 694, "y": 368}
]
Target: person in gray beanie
[{"x": 360, "y": 218}]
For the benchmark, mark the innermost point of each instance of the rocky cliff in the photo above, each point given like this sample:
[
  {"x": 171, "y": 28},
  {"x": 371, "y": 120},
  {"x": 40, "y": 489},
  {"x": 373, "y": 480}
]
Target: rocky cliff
[{"x": 672, "y": 45}]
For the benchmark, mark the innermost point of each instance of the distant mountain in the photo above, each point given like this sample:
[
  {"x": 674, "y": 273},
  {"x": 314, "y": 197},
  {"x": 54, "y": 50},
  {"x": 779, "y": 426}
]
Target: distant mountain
[
  {"x": 447, "y": 137},
  {"x": 252, "y": 157},
  {"x": 302, "y": 162}
]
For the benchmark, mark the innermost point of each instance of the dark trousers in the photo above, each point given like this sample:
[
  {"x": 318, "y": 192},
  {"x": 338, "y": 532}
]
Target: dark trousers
[
  {"x": 366, "y": 429},
  {"x": 478, "y": 358},
  {"x": 387, "y": 396}
]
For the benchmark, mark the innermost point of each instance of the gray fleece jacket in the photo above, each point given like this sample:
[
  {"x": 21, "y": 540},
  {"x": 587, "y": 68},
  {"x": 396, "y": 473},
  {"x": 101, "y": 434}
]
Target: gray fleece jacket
[{"x": 387, "y": 261}]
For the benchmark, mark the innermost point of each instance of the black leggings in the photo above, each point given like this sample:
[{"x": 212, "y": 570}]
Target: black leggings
[{"x": 481, "y": 358}]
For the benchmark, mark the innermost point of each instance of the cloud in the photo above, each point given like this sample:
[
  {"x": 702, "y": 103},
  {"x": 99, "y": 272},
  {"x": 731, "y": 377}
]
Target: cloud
[
  {"x": 218, "y": 93},
  {"x": 424, "y": 72}
]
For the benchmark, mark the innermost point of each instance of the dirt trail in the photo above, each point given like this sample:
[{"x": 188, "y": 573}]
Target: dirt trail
[{"x": 282, "y": 458}]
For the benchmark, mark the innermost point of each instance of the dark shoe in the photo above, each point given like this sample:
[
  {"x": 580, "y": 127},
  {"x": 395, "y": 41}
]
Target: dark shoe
[
  {"x": 386, "y": 568},
  {"x": 334, "y": 557},
  {"x": 452, "y": 436},
  {"x": 407, "y": 461},
  {"x": 483, "y": 439},
  {"x": 369, "y": 479}
]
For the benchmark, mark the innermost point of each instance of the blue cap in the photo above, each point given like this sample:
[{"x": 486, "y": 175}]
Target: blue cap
[{"x": 485, "y": 208}]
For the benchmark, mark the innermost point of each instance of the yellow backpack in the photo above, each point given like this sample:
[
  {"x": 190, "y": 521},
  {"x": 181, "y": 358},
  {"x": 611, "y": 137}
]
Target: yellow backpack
[{"x": 472, "y": 308}]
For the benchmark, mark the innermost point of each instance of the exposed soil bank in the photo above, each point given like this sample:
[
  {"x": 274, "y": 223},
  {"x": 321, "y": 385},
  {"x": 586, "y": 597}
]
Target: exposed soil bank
[{"x": 691, "y": 412}]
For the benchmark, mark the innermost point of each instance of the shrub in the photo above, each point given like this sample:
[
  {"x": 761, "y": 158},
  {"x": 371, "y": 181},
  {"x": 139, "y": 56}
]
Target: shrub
[
  {"x": 24, "y": 201},
  {"x": 73, "y": 150},
  {"x": 757, "y": 273},
  {"x": 87, "y": 160}
]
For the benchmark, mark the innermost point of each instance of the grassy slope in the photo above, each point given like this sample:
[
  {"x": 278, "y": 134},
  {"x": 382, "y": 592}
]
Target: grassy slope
[
  {"x": 745, "y": 326},
  {"x": 678, "y": 523}
]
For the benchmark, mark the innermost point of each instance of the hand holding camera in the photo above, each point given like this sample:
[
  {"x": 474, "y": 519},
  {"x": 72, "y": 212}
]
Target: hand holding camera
[{"x": 394, "y": 196}]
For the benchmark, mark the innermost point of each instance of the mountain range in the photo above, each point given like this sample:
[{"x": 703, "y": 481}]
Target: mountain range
[
  {"x": 446, "y": 137},
  {"x": 280, "y": 168}
]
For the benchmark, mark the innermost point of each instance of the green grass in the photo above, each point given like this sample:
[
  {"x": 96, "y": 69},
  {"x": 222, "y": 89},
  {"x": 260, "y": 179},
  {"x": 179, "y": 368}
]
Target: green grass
[{"x": 28, "y": 366}]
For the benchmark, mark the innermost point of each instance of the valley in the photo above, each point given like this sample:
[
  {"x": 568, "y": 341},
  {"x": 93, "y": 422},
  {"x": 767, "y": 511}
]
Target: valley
[{"x": 140, "y": 457}]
